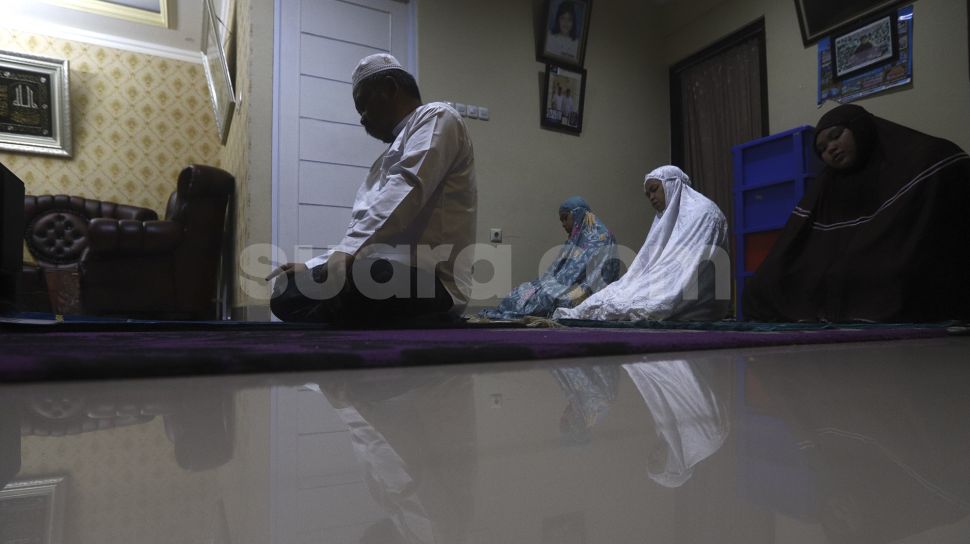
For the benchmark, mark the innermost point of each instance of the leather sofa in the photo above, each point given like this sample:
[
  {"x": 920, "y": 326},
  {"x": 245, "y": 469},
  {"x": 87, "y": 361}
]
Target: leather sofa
[
  {"x": 56, "y": 235},
  {"x": 130, "y": 263},
  {"x": 167, "y": 269}
]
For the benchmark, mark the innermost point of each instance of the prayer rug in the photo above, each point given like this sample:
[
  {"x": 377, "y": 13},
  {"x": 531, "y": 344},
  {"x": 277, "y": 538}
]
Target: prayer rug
[{"x": 68, "y": 351}]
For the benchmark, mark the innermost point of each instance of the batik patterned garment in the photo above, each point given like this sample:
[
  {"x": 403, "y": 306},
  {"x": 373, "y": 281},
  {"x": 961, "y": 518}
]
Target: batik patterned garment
[{"x": 585, "y": 264}]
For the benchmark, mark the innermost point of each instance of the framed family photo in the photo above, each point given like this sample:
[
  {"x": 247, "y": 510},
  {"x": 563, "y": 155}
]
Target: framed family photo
[
  {"x": 565, "y": 29},
  {"x": 35, "y": 104},
  {"x": 819, "y": 18},
  {"x": 217, "y": 72},
  {"x": 562, "y": 99},
  {"x": 865, "y": 47}
]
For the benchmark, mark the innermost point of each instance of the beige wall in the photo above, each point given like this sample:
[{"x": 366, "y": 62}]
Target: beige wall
[
  {"x": 938, "y": 101},
  {"x": 487, "y": 57}
]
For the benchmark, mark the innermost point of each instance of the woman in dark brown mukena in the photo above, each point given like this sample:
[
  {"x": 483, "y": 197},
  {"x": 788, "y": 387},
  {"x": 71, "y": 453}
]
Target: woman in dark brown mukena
[{"x": 883, "y": 235}]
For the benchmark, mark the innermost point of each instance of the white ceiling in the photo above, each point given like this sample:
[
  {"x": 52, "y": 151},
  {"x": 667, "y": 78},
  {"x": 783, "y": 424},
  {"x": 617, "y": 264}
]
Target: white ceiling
[{"x": 181, "y": 40}]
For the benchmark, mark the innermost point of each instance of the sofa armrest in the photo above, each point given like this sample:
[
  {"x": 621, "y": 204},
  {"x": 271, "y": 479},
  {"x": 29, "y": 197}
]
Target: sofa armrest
[{"x": 129, "y": 237}]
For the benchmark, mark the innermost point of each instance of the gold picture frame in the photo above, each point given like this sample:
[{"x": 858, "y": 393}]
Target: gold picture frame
[{"x": 119, "y": 11}]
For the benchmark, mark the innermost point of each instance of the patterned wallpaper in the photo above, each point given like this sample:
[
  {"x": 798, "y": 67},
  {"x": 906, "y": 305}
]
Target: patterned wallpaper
[{"x": 136, "y": 120}]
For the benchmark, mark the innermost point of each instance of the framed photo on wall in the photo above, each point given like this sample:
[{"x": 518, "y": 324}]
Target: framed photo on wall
[
  {"x": 217, "y": 72},
  {"x": 872, "y": 44},
  {"x": 818, "y": 18},
  {"x": 35, "y": 104},
  {"x": 564, "y": 93},
  {"x": 565, "y": 29},
  {"x": 874, "y": 78}
]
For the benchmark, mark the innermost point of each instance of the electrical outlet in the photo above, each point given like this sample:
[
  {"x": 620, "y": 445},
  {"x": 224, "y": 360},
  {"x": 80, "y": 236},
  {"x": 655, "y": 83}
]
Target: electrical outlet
[
  {"x": 495, "y": 236},
  {"x": 472, "y": 112},
  {"x": 461, "y": 109},
  {"x": 483, "y": 113}
]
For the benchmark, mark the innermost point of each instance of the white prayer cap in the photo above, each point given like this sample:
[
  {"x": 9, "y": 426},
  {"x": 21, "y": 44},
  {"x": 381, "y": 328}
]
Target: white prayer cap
[{"x": 372, "y": 64}]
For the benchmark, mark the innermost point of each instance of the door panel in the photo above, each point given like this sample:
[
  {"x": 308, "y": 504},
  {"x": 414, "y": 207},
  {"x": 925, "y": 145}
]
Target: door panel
[
  {"x": 327, "y": 100},
  {"x": 337, "y": 143},
  {"x": 347, "y": 21},
  {"x": 329, "y": 184},
  {"x": 331, "y": 59},
  {"x": 322, "y": 152}
]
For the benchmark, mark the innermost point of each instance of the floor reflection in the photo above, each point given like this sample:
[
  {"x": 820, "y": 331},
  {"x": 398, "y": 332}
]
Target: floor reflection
[
  {"x": 414, "y": 438},
  {"x": 807, "y": 445},
  {"x": 881, "y": 439}
]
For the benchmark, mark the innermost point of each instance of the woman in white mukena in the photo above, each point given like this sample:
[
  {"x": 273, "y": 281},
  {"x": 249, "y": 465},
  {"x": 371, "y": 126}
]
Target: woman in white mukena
[{"x": 682, "y": 272}]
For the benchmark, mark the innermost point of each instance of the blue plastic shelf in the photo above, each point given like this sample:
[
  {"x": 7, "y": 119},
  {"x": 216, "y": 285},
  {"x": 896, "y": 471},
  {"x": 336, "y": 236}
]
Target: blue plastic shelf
[{"x": 770, "y": 178}]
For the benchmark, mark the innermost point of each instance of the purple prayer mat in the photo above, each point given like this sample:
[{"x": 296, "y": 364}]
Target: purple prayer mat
[{"x": 121, "y": 353}]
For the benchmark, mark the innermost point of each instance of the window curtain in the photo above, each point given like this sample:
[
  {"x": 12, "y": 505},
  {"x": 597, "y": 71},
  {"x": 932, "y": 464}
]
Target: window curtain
[{"x": 721, "y": 105}]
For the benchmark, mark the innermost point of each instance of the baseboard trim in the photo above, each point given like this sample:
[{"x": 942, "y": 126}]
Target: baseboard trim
[{"x": 251, "y": 313}]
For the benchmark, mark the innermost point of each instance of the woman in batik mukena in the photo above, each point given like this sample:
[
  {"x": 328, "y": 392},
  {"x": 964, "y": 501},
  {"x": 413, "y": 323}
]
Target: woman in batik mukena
[
  {"x": 586, "y": 263},
  {"x": 883, "y": 235}
]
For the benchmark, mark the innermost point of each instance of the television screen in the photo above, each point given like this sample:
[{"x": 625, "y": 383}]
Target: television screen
[{"x": 11, "y": 237}]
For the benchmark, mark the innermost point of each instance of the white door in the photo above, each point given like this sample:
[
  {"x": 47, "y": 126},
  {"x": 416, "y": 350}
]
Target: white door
[{"x": 322, "y": 153}]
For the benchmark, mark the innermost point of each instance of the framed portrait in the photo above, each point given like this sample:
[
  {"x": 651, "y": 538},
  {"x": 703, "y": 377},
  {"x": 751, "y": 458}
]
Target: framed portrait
[
  {"x": 564, "y": 92},
  {"x": 33, "y": 511},
  {"x": 565, "y": 29},
  {"x": 35, "y": 104},
  {"x": 217, "y": 72},
  {"x": 870, "y": 45},
  {"x": 818, "y": 18}
]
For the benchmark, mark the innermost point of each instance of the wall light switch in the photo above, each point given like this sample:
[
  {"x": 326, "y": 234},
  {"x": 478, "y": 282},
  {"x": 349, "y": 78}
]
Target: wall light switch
[
  {"x": 462, "y": 110},
  {"x": 473, "y": 111},
  {"x": 483, "y": 113}
]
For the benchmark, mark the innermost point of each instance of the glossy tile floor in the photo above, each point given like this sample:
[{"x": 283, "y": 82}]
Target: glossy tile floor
[{"x": 846, "y": 443}]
